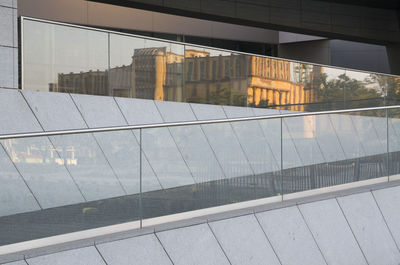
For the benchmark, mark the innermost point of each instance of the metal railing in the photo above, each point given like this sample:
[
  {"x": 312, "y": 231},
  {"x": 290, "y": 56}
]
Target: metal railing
[{"x": 155, "y": 170}]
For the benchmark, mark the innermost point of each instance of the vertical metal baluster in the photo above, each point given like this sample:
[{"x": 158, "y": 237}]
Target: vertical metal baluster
[
  {"x": 281, "y": 158},
  {"x": 140, "y": 176},
  {"x": 387, "y": 144}
]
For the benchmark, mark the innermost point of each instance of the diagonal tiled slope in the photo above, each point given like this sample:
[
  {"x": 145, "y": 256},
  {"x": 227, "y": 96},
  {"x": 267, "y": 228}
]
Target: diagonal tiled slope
[
  {"x": 49, "y": 182},
  {"x": 191, "y": 141},
  {"x": 121, "y": 148},
  {"x": 92, "y": 172},
  {"x": 157, "y": 143}
]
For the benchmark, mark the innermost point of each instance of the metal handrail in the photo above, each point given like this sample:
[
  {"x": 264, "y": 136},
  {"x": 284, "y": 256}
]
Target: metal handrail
[{"x": 174, "y": 124}]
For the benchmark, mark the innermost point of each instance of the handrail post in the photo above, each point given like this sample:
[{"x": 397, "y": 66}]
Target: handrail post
[
  {"x": 140, "y": 180},
  {"x": 281, "y": 175}
]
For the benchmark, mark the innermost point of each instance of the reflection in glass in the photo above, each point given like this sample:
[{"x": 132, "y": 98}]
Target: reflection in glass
[
  {"x": 75, "y": 60},
  {"x": 65, "y": 59},
  {"x": 362, "y": 89}
]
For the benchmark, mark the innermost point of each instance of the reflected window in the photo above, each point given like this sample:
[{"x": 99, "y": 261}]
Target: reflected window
[
  {"x": 227, "y": 68},
  {"x": 202, "y": 70},
  {"x": 190, "y": 71},
  {"x": 214, "y": 70}
]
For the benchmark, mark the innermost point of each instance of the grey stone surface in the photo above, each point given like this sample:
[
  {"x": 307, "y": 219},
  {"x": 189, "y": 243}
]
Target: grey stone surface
[
  {"x": 140, "y": 250},
  {"x": 139, "y": 111},
  {"x": 121, "y": 148},
  {"x": 208, "y": 112},
  {"x": 15, "y": 29},
  {"x": 6, "y": 26},
  {"x": 15, "y": 68},
  {"x": 290, "y": 237},
  {"x": 99, "y": 111},
  {"x": 17, "y": 263},
  {"x": 195, "y": 149},
  {"x": 332, "y": 233},
  {"x": 84, "y": 158},
  {"x": 7, "y": 3},
  {"x": 157, "y": 144},
  {"x": 389, "y": 203},
  {"x": 55, "y": 111},
  {"x": 238, "y": 112},
  {"x": 6, "y": 67},
  {"x": 81, "y": 256},
  {"x": 192, "y": 245},
  {"x": 16, "y": 116},
  {"x": 15, "y": 197},
  {"x": 175, "y": 111},
  {"x": 244, "y": 241},
  {"x": 223, "y": 141},
  {"x": 370, "y": 229}
]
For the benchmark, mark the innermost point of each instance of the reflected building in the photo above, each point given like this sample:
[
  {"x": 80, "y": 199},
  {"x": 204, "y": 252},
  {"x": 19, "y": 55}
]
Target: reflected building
[{"x": 199, "y": 77}]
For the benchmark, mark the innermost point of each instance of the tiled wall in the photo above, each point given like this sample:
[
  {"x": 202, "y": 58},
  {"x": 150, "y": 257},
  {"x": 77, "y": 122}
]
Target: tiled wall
[{"x": 8, "y": 44}]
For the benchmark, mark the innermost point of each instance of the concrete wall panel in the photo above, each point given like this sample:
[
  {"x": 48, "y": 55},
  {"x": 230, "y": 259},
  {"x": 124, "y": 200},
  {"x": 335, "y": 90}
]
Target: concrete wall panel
[
  {"x": 290, "y": 237},
  {"x": 6, "y": 27},
  {"x": 332, "y": 233},
  {"x": 81, "y": 256},
  {"x": 192, "y": 245},
  {"x": 389, "y": 202},
  {"x": 244, "y": 241},
  {"x": 369, "y": 228},
  {"x": 142, "y": 250},
  {"x": 7, "y": 67}
]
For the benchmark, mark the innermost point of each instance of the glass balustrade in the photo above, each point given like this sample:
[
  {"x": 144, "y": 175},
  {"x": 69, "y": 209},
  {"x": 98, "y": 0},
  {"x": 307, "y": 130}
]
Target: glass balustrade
[
  {"x": 73, "y": 59},
  {"x": 59, "y": 184}
]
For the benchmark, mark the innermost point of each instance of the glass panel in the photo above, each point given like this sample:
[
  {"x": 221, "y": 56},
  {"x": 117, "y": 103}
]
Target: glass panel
[
  {"x": 391, "y": 85},
  {"x": 70, "y": 59},
  {"x": 122, "y": 78},
  {"x": 394, "y": 141},
  {"x": 62, "y": 185},
  {"x": 195, "y": 149},
  {"x": 146, "y": 69},
  {"x": 215, "y": 77},
  {"x": 65, "y": 59},
  {"x": 328, "y": 86},
  {"x": 239, "y": 182},
  {"x": 336, "y": 149},
  {"x": 363, "y": 90},
  {"x": 223, "y": 141}
]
